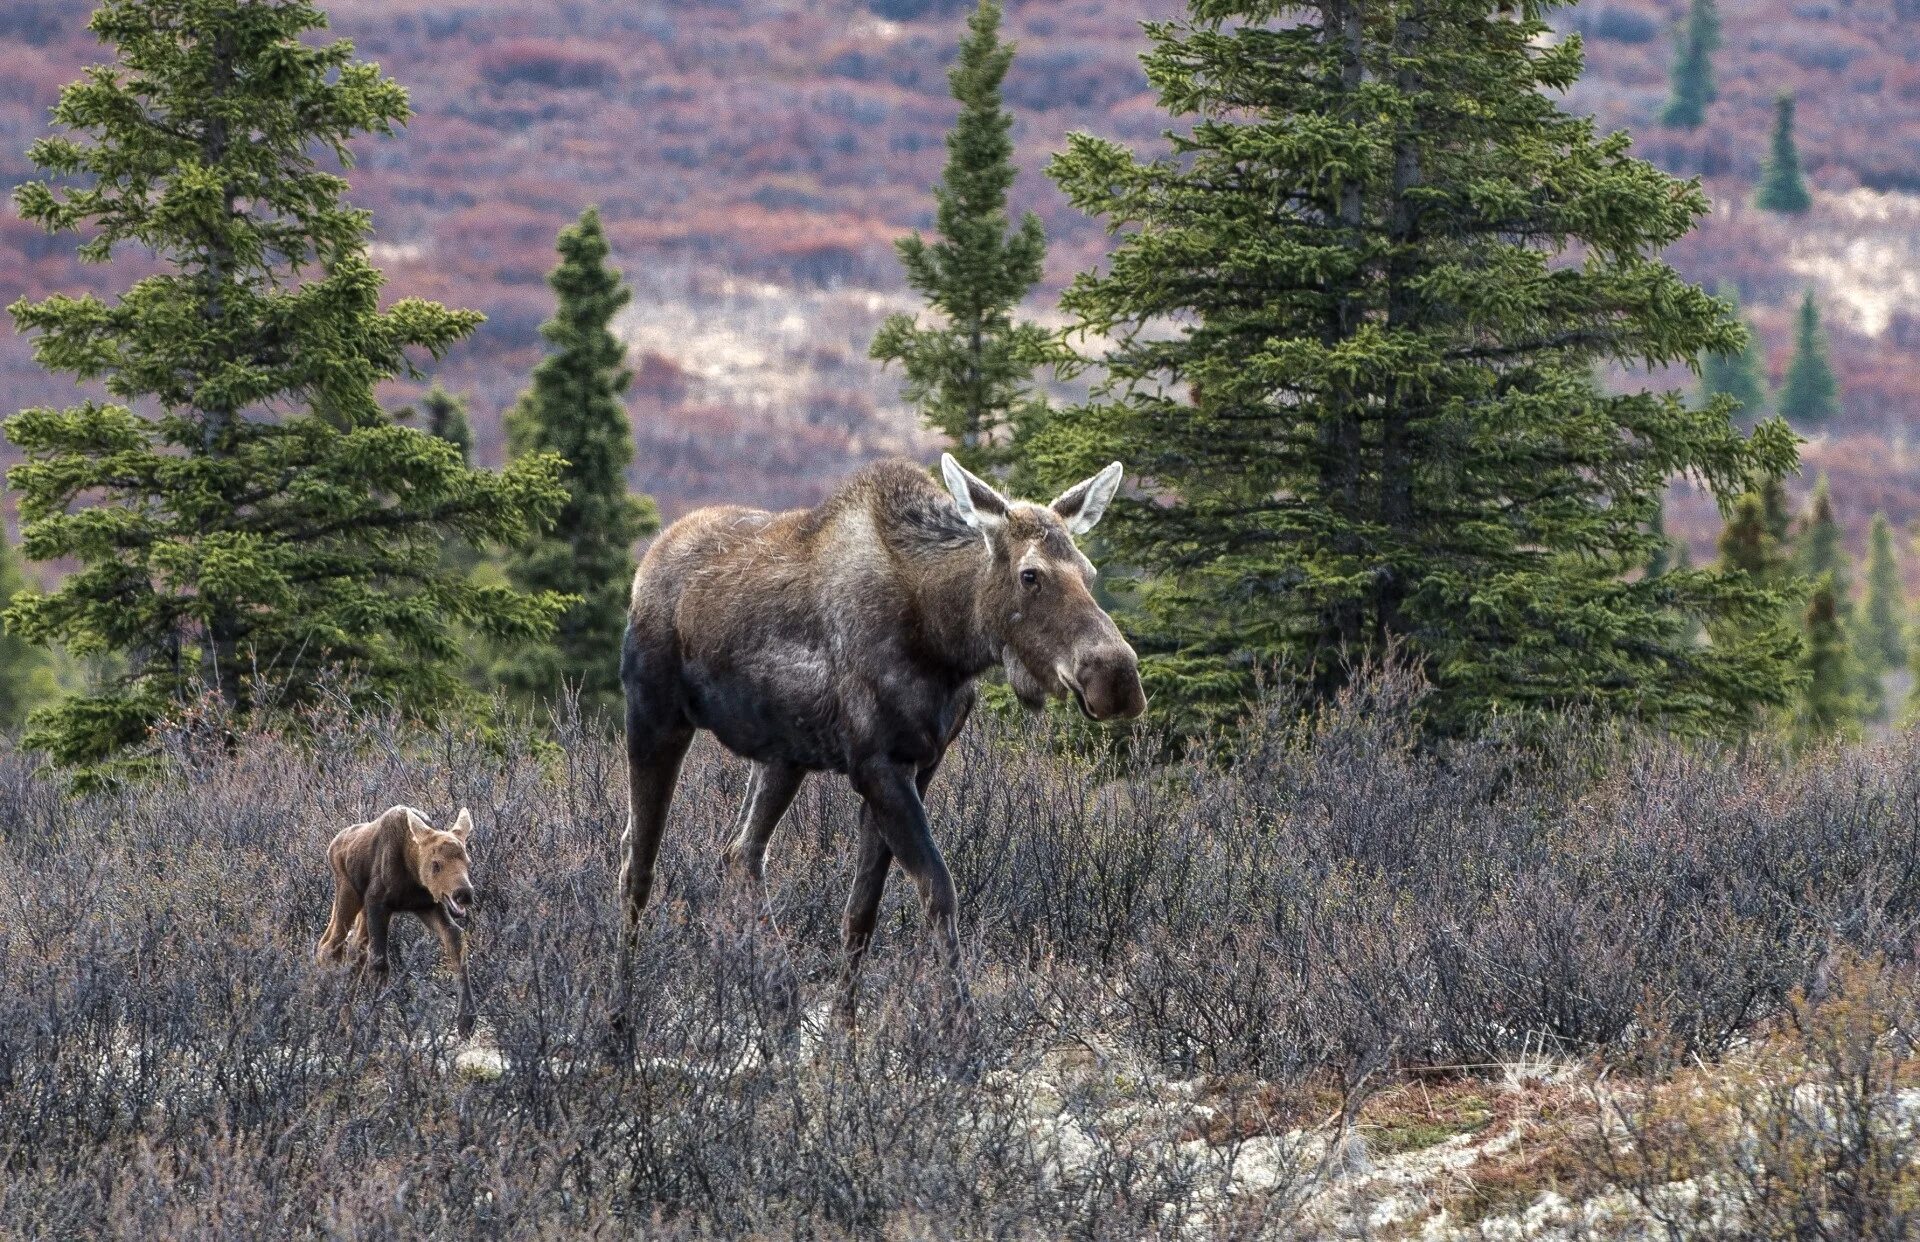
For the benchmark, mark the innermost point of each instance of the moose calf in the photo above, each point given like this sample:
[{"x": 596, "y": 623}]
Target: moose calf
[{"x": 399, "y": 863}]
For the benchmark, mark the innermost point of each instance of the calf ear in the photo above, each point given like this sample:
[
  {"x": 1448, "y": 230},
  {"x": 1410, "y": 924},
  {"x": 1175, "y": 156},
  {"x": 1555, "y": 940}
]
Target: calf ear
[
  {"x": 463, "y": 826},
  {"x": 1082, "y": 505},
  {"x": 418, "y": 828},
  {"x": 978, "y": 502}
]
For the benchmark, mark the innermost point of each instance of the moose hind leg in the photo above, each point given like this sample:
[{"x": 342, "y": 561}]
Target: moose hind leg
[{"x": 654, "y": 755}]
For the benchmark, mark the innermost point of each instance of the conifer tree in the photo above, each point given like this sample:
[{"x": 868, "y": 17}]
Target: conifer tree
[
  {"x": 1883, "y": 620},
  {"x": 1823, "y": 558},
  {"x": 444, "y": 416},
  {"x": 1782, "y": 188},
  {"x": 26, "y": 671},
  {"x": 1821, "y": 550},
  {"x": 1661, "y": 558},
  {"x": 1748, "y": 545},
  {"x": 1692, "y": 84},
  {"x": 246, "y": 521},
  {"x": 1829, "y": 705},
  {"x": 576, "y": 409},
  {"x": 1393, "y": 435},
  {"x": 1741, "y": 375},
  {"x": 1809, "y": 395},
  {"x": 970, "y": 373}
]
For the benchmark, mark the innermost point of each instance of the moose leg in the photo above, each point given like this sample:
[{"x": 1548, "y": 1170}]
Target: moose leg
[
  {"x": 863, "y": 903},
  {"x": 863, "y": 912},
  {"x": 770, "y": 792},
  {"x": 892, "y": 795},
  {"x": 377, "y": 918},
  {"x": 346, "y": 911},
  {"x": 454, "y": 941},
  {"x": 653, "y": 769}
]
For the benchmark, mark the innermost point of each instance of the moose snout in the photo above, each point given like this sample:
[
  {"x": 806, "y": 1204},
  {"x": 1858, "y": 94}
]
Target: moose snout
[{"x": 1107, "y": 682}]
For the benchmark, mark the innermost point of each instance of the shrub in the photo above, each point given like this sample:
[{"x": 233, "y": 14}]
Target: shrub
[{"x": 1330, "y": 902}]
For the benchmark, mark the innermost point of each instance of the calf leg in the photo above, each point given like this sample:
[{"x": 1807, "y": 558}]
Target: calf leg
[
  {"x": 769, "y": 793},
  {"x": 346, "y": 912},
  {"x": 892, "y": 794},
  {"x": 454, "y": 941},
  {"x": 377, "y": 918}
]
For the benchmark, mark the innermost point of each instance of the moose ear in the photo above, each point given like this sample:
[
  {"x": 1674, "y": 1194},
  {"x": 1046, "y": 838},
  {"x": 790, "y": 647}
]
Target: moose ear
[
  {"x": 463, "y": 826},
  {"x": 418, "y": 828},
  {"x": 1082, "y": 505},
  {"x": 978, "y": 502}
]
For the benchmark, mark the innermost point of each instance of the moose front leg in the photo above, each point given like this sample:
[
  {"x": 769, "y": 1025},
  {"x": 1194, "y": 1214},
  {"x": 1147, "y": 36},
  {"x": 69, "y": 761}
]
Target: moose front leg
[
  {"x": 454, "y": 941},
  {"x": 898, "y": 816},
  {"x": 770, "y": 792}
]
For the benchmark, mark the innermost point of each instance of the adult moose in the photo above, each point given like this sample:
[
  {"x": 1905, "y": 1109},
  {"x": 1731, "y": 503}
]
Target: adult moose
[{"x": 847, "y": 638}]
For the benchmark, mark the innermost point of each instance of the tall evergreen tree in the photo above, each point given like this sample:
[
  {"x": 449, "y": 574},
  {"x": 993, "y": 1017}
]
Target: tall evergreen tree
[
  {"x": 1822, "y": 547},
  {"x": 1394, "y": 435},
  {"x": 1883, "y": 629},
  {"x": 575, "y": 409},
  {"x": 1809, "y": 394},
  {"x": 1692, "y": 84},
  {"x": 26, "y": 671},
  {"x": 266, "y": 526},
  {"x": 1823, "y": 557},
  {"x": 1829, "y": 705},
  {"x": 971, "y": 373},
  {"x": 1741, "y": 375},
  {"x": 1782, "y": 187}
]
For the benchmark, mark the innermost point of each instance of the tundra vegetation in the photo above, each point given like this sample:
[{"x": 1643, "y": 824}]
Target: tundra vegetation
[{"x": 1186, "y": 977}]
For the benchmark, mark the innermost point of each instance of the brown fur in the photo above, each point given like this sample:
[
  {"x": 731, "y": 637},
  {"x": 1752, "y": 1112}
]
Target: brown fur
[
  {"x": 847, "y": 638},
  {"x": 400, "y": 864}
]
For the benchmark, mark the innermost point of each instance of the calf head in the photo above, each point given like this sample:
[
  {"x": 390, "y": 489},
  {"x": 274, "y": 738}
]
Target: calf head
[
  {"x": 441, "y": 864},
  {"x": 1035, "y": 599}
]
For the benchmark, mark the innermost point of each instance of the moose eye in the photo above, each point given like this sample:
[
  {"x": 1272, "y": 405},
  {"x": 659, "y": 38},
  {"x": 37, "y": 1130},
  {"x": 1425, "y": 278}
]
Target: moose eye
[
  {"x": 1029, "y": 577},
  {"x": 436, "y": 868}
]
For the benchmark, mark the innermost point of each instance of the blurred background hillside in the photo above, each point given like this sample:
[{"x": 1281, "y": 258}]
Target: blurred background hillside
[{"x": 755, "y": 159}]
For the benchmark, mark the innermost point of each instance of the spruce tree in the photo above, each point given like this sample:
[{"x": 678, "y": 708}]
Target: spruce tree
[
  {"x": 444, "y": 416},
  {"x": 1692, "y": 84},
  {"x": 1829, "y": 705},
  {"x": 1809, "y": 394},
  {"x": 1742, "y": 374},
  {"x": 970, "y": 373},
  {"x": 1821, "y": 547},
  {"x": 1661, "y": 558},
  {"x": 575, "y": 409},
  {"x": 26, "y": 671},
  {"x": 1823, "y": 558},
  {"x": 1749, "y": 547},
  {"x": 1883, "y": 619},
  {"x": 1782, "y": 188},
  {"x": 1356, "y": 383},
  {"x": 245, "y": 520}
]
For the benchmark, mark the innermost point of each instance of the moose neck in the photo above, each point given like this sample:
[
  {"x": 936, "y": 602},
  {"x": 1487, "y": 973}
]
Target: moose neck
[{"x": 956, "y": 589}]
